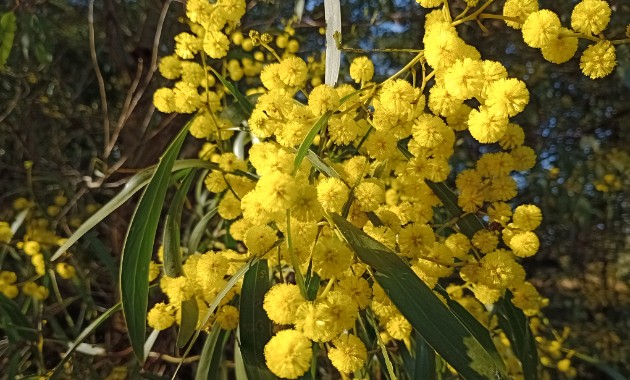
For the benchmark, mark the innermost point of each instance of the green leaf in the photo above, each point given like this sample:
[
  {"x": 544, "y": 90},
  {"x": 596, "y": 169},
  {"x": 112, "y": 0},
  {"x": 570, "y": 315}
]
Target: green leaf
[
  {"x": 15, "y": 324},
  {"x": 242, "y": 100},
  {"x": 217, "y": 363},
  {"x": 320, "y": 165},
  {"x": 235, "y": 112},
  {"x": 612, "y": 373},
  {"x": 208, "y": 362},
  {"x": 254, "y": 325},
  {"x": 421, "y": 364},
  {"x": 190, "y": 318},
  {"x": 425, "y": 359},
  {"x": 239, "y": 366},
  {"x": 136, "y": 255},
  {"x": 58, "y": 370},
  {"x": 198, "y": 231},
  {"x": 475, "y": 327},
  {"x": 134, "y": 184},
  {"x": 422, "y": 308},
  {"x": 308, "y": 140},
  {"x": 8, "y": 26},
  {"x": 384, "y": 352},
  {"x": 312, "y": 286},
  {"x": 42, "y": 55},
  {"x": 469, "y": 223},
  {"x": 514, "y": 323},
  {"x": 215, "y": 303},
  {"x": 516, "y": 326},
  {"x": 365, "y": 331},
  {"x": 19, "y": 220},
  {"x": 171, "y": 240},
  {"x": 299, "y": 278},
  {"x": 14, "y": 365}
]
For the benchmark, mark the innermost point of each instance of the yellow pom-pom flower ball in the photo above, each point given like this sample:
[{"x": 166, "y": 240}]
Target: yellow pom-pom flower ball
[
  {"x": 288, "y": 354},
  {"x": 540, "y": 28}
]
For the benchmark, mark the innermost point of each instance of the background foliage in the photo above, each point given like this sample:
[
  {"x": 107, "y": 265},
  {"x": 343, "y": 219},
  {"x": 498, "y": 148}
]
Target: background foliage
[{"x": 52, "y": 114}]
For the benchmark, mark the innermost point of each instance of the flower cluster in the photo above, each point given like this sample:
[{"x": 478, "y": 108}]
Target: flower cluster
[
  {"x": 375, "y": 151},
  {"x": 205, "y": 276},
  {"x": 543, "y": 30},
  {"x": 30, "y": 239}
]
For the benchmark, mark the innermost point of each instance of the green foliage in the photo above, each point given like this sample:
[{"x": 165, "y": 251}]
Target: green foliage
[
  {"x": 14, "y": 322},
  {"x": 425, "y": 311},
  {"x": 188, "y": 325},
  {"x": 89, "y": 330},
  {"x": 575, "y": 125},
  {"x": 8, "y": 27},
  {"x": 254, "y": 325},
  {"x": 305, "y": 146},
  {"x": 211, "y": 354},
  {"x": 172, "y": 228},
  {"x": 134, "y": 266}
]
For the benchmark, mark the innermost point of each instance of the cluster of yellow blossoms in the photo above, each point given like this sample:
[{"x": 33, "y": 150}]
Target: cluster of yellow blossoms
[
  {"x": 543, "y": 30},
  {"x": 610, "y": 170},
  {"x": 377, "y": 149},
  {"x": 35, "y": 242}
]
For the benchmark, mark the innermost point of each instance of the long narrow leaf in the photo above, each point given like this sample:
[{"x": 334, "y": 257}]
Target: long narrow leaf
[
  {"x": 320, "y": 165},
  {"x": 420, "y": 365},
  {"x": 134, "y": 270},
  {"x": 239, "y": 366},
  {"x": 384, "y": 352},
  {"x": 475, "y": 327},
  {"x": 254, "y": 325},
  {"x": 171, "y": 241},
  {"x": 19, "y": 219},
  {"x": 14, "y": 365},
  {"x": 190, "y": 318},
  {"x": 471, "y": 323},
  {"x": 422, "y": 308},
  {"x": 148, "y": 344},
  {"x": 312, "y": 286},
  {"x": 215, "y": 303},
  {"x": 515, "y": 325},
  {"x": 518, "y": 329},
  {"x": 242, "y": 100},
  {"x": 209, "y": 352},
  {"x": 197, "y": 232},
  {"x": 206, "y": 353},
  {"x": 612, "y": 373},
  {"x": 425, "y": 360},
  {"x": 135, "y": 183},
  {"x": 469, "y": 223},
  {"x": 308, "y": 140},
  {"x": 8, "y": 26},
  {"x": 217, "y": 362}
]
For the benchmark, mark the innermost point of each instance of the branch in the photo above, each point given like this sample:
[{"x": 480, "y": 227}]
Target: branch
[{"x": 99, "y": 76}]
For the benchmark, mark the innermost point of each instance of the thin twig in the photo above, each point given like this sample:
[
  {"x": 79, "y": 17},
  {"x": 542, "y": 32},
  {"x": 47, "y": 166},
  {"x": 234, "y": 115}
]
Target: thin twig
[
  {"x": 12, "y": 105},
  {"x": 124, "y": 114},
  {"x": 130, "y": 104},
  {"x": 99, "y": 76}
]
